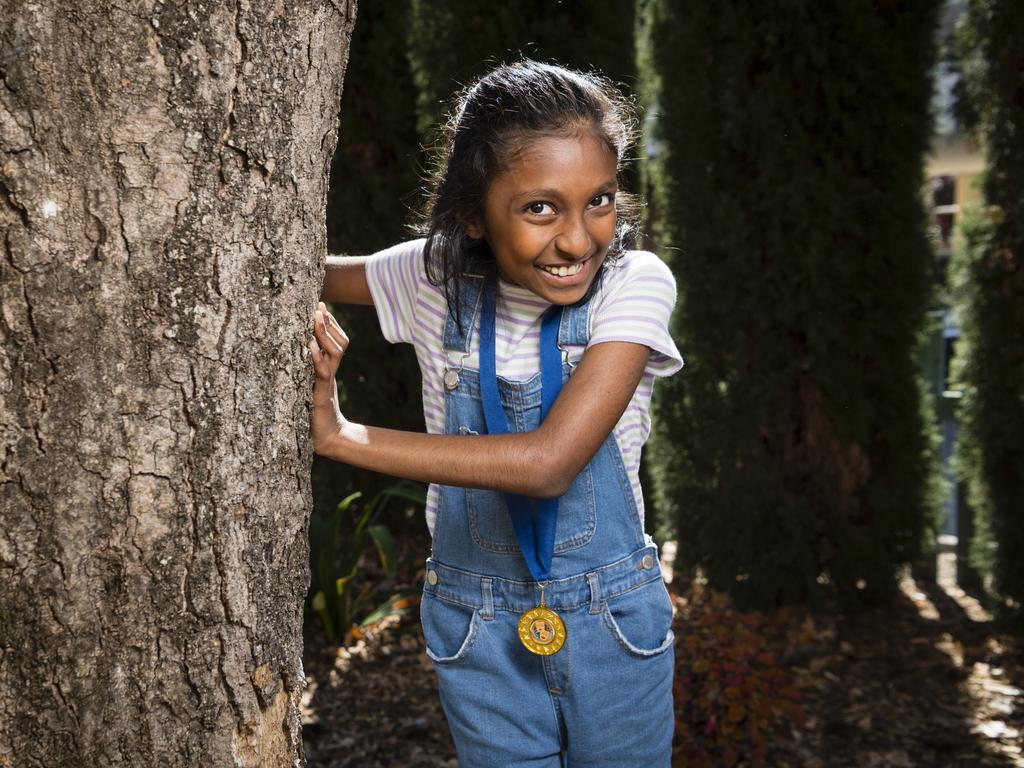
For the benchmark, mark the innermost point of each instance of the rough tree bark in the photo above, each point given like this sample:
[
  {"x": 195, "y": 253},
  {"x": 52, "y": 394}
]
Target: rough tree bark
[{"x": 162, "y": 197}]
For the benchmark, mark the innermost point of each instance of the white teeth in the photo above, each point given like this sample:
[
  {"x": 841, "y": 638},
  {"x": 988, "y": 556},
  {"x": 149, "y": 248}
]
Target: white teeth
[{"x": 564, "y": 271}]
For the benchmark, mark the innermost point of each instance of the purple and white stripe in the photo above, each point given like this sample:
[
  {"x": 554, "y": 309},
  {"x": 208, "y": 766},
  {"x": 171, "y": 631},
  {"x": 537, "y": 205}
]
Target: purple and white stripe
[{"x": 633, "y": 304}]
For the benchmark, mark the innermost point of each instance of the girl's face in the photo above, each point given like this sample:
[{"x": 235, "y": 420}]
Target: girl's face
[{"x": 550, "y": 218}]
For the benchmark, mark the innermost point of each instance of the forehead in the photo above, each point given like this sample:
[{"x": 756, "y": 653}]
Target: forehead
[{"x": 570, "y": 162}]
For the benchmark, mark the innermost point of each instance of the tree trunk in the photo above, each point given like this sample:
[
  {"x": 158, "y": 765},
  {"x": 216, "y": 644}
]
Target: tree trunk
[{"x": 162, "y": 201}]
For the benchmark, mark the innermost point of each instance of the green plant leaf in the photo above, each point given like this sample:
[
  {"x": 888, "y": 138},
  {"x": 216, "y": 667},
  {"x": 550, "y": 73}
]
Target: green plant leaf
[
  {"x": 345, "y": 503},
  {"x": 320, "y": 606},
  {"x": 341, "y": 581},
  {"x": 385, "y": 547},
  {"x": 397, "y": 602},
  {"x": 404, "y": 489}
]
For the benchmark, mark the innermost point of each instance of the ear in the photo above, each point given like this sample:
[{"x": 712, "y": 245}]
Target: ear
[{"x": 472, "y": 227}]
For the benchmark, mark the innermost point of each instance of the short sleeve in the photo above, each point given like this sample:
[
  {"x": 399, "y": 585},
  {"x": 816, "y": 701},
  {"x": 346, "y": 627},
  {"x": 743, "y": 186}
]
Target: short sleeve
[
  {"x": 636, "y": 305},
  {"x": 394, "y": 276}
]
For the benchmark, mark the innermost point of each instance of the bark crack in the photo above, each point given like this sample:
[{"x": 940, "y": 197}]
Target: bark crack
[
  {"x": 121, "y": 224},
  {"x": 69, "y": 707},
  {"x": 37, "y": 344},
  {"x": 348, "y": 11},
  {"x": 9, "y": 253},
  {"x": 66, "y": 702},
  {"x": 240, "y": 57},
  {"x": 100, "y": 238},
  {"x": 189, "y": 473},
  {"x": 3, "y": 79},
  {"x": 14, "y": 203},
  {"x": 222, "y": 335}
]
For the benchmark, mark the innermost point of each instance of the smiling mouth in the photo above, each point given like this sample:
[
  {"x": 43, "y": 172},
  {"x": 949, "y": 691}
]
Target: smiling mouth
[{"x": 565, "y": 270}]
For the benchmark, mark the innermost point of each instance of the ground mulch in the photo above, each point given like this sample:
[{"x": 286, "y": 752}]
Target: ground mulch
[{"x": 931, "y": 681}]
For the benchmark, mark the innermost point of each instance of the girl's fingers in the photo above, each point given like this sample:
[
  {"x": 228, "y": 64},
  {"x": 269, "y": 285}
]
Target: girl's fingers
[
  {"x": 320, "y": 363},
  {"x": 333, "y": 341},
  {"x": 329, "y": 325},
  {"x": 332, "y": 324},
  {"x": 325, "y": 365}
]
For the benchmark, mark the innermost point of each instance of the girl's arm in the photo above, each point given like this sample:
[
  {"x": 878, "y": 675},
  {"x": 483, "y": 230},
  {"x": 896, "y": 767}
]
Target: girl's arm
[
  {"x": 541, "y": 464},
  {"x": 345, "y": 281}
]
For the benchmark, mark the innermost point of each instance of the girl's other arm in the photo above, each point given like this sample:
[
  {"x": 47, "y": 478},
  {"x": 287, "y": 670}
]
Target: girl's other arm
[
  {"x": 345, "y": 281},
  {"x": 542, "y": 463}
]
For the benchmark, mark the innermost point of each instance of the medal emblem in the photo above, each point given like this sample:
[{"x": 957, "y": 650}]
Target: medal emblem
[{"x": 541, "y": 630}]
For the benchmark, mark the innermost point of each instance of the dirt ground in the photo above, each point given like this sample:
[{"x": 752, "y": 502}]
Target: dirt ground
[{"x": 932, "y": 681}]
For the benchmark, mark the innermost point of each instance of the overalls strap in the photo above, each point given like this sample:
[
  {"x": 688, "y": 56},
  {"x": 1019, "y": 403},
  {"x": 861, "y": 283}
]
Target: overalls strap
[
  {"x": 574, "y": 329},
  {"x": 458, "y": 335}
]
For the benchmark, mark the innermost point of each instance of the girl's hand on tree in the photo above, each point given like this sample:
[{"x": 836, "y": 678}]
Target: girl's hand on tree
[{"x": 326, "y": 347}]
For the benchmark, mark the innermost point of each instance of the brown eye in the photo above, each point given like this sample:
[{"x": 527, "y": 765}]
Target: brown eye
[
  {"x": 538, "y": 209},
  {"x": 604, "y": 198}
]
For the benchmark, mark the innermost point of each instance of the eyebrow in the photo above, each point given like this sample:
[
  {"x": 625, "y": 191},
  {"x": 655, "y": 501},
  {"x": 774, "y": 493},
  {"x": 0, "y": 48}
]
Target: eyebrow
[{"x": 547, "y": 192}]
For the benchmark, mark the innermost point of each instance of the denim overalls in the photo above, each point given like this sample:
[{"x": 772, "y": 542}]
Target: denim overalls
[{"x": 604, "y": 699}]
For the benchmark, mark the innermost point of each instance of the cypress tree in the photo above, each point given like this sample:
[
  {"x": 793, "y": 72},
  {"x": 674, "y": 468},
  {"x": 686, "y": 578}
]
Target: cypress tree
[
  {"x": 374, "y": 181},
  {"x": 794, "y": 449},
  {"x": 454, "y": 42},
  {"x": 989, "y": 275}
]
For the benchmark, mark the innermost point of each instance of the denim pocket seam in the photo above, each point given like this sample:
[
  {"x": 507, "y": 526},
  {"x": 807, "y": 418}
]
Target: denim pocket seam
[
  {"x": 634, "y": 587},
  {"x": 571, "y": 542},
  {"x": 628, "y": 646},
  {"x": 620, "y": 637},
  {"x": 467, "y": 643},
  {"x": 447, "y": 597}
]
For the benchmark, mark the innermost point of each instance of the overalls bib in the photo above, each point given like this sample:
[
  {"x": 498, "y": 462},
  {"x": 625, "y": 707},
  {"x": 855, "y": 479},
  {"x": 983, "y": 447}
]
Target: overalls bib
[{"x": 604, "y": 699}]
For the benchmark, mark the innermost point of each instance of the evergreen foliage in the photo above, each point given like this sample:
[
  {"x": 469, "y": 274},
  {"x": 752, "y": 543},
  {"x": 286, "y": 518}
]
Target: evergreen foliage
[
  {"x": 989, "y": 279},
  {"x": 795, "y": 449},
  {"x": 374, "y": 183},
  {"x": 454, "y": 42}
]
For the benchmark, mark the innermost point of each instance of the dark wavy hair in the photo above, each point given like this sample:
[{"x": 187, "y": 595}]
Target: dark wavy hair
[{"x": 490, "y": 122}]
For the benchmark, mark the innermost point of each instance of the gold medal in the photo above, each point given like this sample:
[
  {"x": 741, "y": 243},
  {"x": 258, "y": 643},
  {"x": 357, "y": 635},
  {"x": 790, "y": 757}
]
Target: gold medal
[{"x": 541, "y": 630}]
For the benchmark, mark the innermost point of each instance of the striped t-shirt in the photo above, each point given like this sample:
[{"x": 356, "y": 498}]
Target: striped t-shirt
[{"x": 633, "y": 303}]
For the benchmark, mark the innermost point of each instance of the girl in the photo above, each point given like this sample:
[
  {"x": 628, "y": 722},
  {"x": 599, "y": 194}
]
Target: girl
[{"x": 539, "y": 336}]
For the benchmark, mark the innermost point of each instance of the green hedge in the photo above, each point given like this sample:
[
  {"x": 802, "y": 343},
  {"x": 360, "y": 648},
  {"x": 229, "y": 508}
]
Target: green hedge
[
  {"x": 454, "y": 42},
  {"x": 989, "y": 279},
  {"x": 458, "y": 40},
  {"x": 795, "y": 449},
  {"x": 374, "y": 183}
]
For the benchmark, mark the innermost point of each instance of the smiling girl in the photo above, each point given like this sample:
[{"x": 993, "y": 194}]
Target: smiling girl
[{"x": 539, "y": 335}]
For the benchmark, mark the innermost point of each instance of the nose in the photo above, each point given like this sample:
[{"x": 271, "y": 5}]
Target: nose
[{"x": 575, "y": 239}]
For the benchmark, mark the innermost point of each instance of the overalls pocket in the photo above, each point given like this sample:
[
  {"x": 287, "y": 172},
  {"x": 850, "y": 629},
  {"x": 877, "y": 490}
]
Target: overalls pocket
[
  {"x": 488, "y": 519},
  {"x": 491, "y": 525},
  {"x": 450, "y": 629},
  {"x": 640, "y": 620}
]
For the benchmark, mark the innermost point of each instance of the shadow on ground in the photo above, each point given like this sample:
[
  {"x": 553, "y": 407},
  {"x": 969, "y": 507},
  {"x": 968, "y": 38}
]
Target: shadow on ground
[{"x": 929, "y": 681}]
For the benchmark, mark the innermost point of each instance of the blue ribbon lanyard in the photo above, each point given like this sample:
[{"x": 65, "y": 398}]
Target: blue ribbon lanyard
[{"x": 533, "y": 519}]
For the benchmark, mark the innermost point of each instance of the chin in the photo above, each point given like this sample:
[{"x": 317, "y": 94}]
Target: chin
[{"x": 567, "y": 297}]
